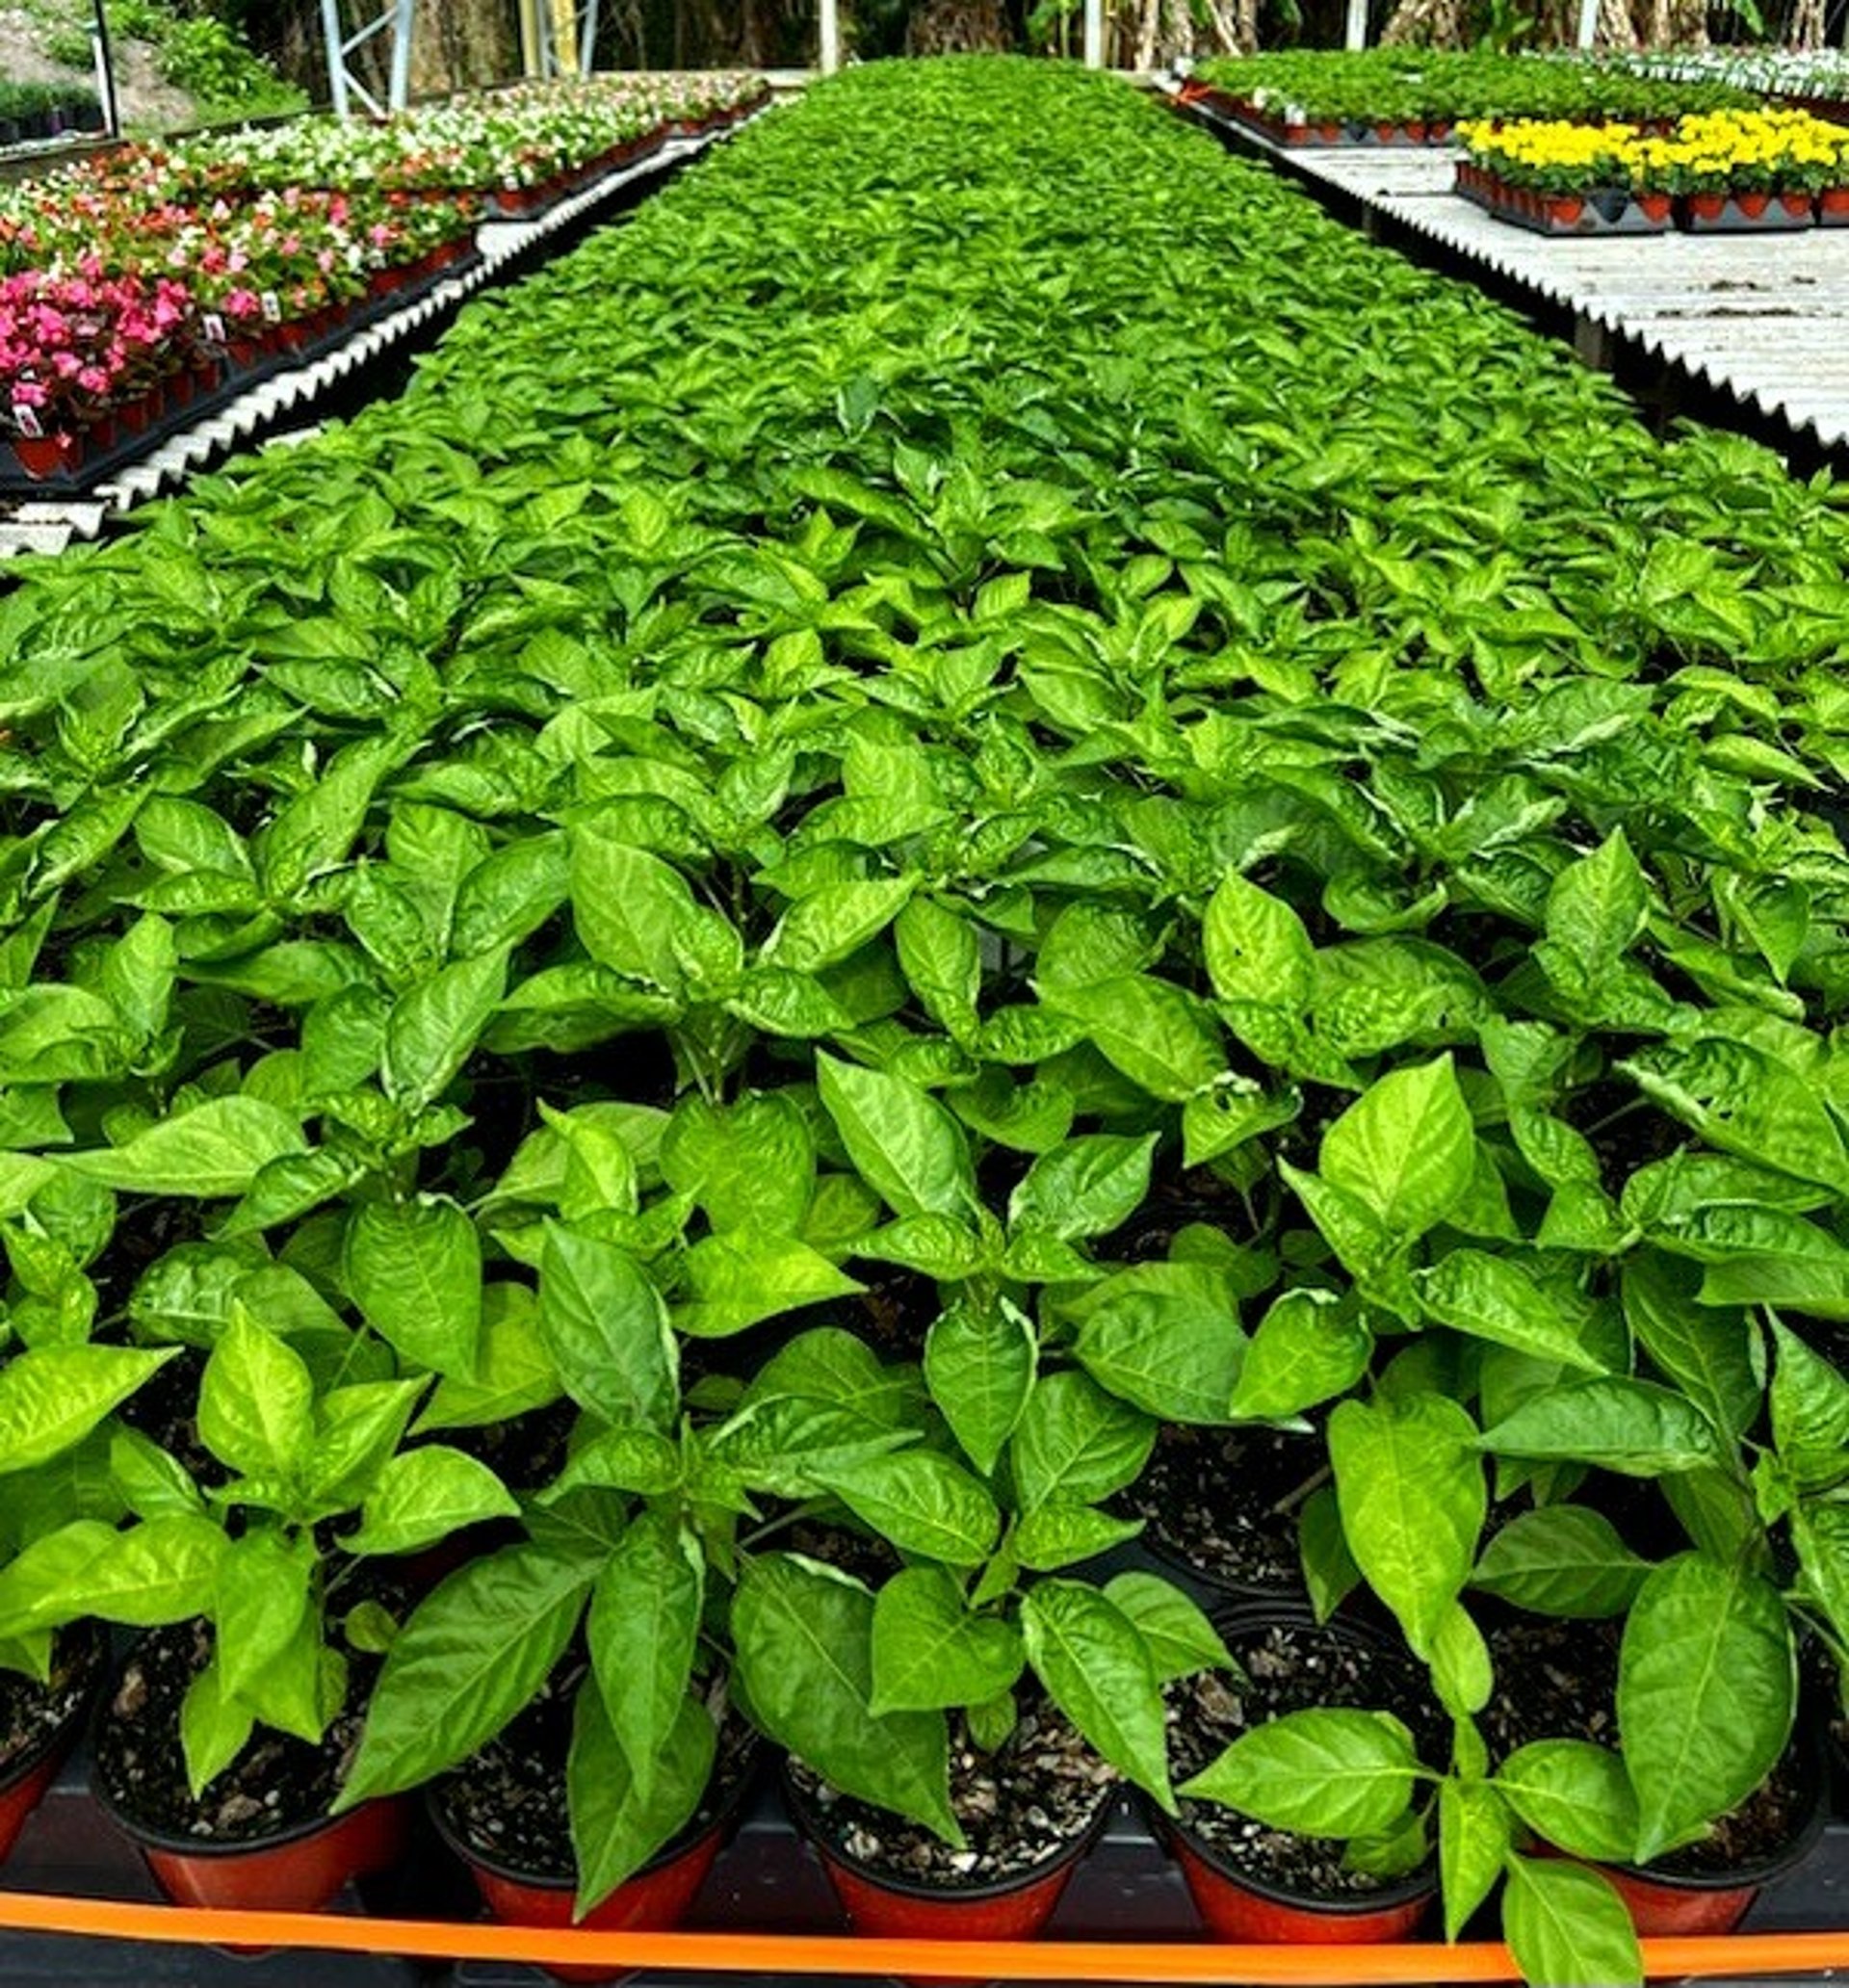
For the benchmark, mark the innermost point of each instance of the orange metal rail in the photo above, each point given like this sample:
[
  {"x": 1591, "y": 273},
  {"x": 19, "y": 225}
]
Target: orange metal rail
[{"x": 1130, "y": 1962}]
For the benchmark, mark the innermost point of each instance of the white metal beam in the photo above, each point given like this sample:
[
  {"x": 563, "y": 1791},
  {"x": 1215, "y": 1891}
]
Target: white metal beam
[
  {"x": 1094, "y": 34},
  {"x": 1588, "y": 32},
  {"x": 830, "y": 25},
  {"x": 1357, "y": 33},
  {"x": 347, "y": 86}
]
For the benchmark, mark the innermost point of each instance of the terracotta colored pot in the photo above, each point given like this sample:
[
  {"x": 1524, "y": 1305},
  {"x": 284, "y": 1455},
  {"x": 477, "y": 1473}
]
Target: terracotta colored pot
[
  {"x": 1753, "y": 204},
  {"x": 299, "y": 1869},
  {"x": 1709, "y": 206},
  {"x": 25, "y": 1780},
  {"x": 1565, "y": 209},
  {"x": 1833, "y": 202},
  {"x": 1241, "y": 1908},
  {"x": 1666, "y": 1905},
  {"x": 1238, "y": 1910},
  {"x": 47, "y": 456},
  {"x": 655, "y": 1901},
  {"x": 1796, "y": 204},
  {"x": 1654, "y": 206},
  {"x": 882, "y": 1906}
]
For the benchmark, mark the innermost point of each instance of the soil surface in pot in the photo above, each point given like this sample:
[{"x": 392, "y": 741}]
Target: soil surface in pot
[
  {"x": 1553, "y": 1681},
  {"x": 276, "y": 1784},
  {"x": 1018, "y": 1807},
  {"x": 1559, "y": 1680},
  {"x": 509, "y": 1801},
  {"x": 31, "y": 1712},
  {"x": 1211, "y": 1496},
  {"x": 1290, "y": 1667}
]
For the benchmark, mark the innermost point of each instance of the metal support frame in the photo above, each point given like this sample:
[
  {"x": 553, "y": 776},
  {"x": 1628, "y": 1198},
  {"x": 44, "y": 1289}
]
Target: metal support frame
[
  {"x": 105, "y": 61},
  {"x": 1094, "y": 34},
  {"x": 1356, "y": 36},
  {"x": 1588, "y": 26},
  {"x": 553, "y": 20},
  {"x": 397, "y": 19},
  {"x": 829, "y": 20}
]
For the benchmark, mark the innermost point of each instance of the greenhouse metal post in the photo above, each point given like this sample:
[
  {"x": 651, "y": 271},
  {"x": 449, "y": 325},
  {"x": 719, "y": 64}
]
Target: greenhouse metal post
[
  {"x": 830, "y": 37},
  {"x": 1094, "y": 34}
]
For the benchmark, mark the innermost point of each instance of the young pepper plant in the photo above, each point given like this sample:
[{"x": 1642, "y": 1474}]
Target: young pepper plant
[{"x": 857, "y": 1683}]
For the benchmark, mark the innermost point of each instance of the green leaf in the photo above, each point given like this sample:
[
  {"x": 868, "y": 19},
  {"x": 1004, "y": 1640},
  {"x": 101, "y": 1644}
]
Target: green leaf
[
  {"x": 979, "y": 1364},
  {"x": 1257, "y": 948},
  {"x": 206, "y": 1152},
  {"x": 424, "y": 1495},
  {"x": 627, "y": 905},
  {"x": 1575, "y": 1795},
  {"x": 1058, "y": 1535},
  {"x": 52, "y": 1396},
  {"x": 1810, "y": 1412},
  {"x": 1086, "y": 1186},
  {"x": 803, "y": 1634},
  {"x": 1179, "y": 1638},
  {"x": 475, "y": 1652},
  {"x": 256, "y": 1401},
  {"x": 1633, "y": 1426},
  {"x": 643, "y": 1629},
  {"x": 1326, "y": 1772},
  {"x": 1495, "y": 1299},
  {"x": 163, "y": 1570},
  {"x": 1561, "y": 1559},
  {"x": 1158, "y": 1035},
  {"x": 825, "y": 927},
  {"x": 941, "y": 956},
  {"x": 1707, "y": 1353},
  {"x": 1706, "y": 1694},
  {"x": 1567, "y": 1926},
  {"x": 263, "y": 1597},
  {"x": 1596, "y": 910},
  {"x": 1076, "y": 1443},
  {"x": 1413, "y": 1500},
  {"x": 214, "y": 1729},
  {"x": 1096, "y": 1667},
  {"x": 1405, "y": 1149},
  {"x": 514, "y": 1372},
  {"x": 749, "y": 1165},
  {"x": 1474, "y": 1838},
  {"x": 921, "y": 1501},
  {"x": 433, "y": 1030},
  {"x": 616, "y": 1825},
  {"x": 414, "y": 1267},
  {"x": 1166, "y": 1337},
  {"x": 931, "y": 1652},
  {"x": 906, "y": 1145},
  {"x": 1329, "y": 1570},
  {"x": 607, "y": 1330},
  {"x": 737, "y": 1279},
  {"x": 1308, "y": 1346}
]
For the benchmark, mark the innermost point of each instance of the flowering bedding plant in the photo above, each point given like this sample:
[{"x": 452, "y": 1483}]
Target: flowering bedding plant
[
  {"x": 125, "y": 271},
  {"x": 1721, "y": 151}
]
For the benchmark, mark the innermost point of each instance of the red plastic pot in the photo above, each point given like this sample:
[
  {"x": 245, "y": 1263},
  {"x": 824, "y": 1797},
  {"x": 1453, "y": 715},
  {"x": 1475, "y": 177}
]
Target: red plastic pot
[
  {"x": 655, "y": 1901},
  {"x": 1239, "y": 1909},
  {"x": 1752, "y": 203},
  {"x": 1655, "y": 207},
  {"x": 299, "y": 1869},
  {"x": 1707, "y": 206},
  {"x": 1245, "y": 1909},
  {"x": 1833, "y": 205},
  {"x": 1796, "y": 204},
  {"x": 47, "y": 456},
  {"x": 24, "y": 1781},
  {"x": 882, "y": 1906},
  {"x": 1667, "y": 1904}
]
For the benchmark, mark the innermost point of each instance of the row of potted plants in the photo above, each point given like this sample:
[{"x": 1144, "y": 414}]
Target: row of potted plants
[
  {"x": 677, "y": 1034},
  {"x": 135, "y": 285},
  {"x": 32, "y": 113},
  {"x": 1727, "y": 170},
  {"x": 1398, "y": 96}
]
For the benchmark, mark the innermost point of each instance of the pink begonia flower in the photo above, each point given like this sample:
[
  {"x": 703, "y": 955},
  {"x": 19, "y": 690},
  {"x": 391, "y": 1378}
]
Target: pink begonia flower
[{"x": 93, "y": 379}]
